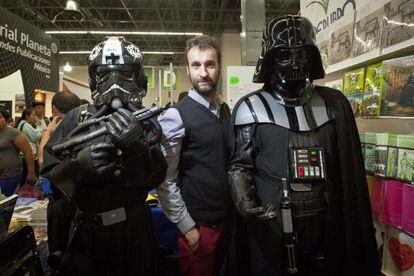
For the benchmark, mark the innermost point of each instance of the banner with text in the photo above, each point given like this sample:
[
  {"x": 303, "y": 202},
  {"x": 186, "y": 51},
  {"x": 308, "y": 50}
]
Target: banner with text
[{"x": 25, "y": 47}]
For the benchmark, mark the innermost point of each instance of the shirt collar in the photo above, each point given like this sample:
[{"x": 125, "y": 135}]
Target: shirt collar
[
  {"x": 203, "y": 100},
  {"x": 198, "y": 98}
]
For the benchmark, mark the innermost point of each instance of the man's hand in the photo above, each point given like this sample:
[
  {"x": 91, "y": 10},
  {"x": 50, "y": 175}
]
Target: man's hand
[
  {"x": 51, "y": 127},
  {"x": 127, "y": 133},
  {"x": 193, "y": 238}
]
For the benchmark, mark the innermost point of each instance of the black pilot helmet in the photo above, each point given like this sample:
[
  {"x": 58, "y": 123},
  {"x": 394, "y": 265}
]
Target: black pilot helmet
[
  {"x": 116, "y": 75},
  {"x": 289, "y": 60}
]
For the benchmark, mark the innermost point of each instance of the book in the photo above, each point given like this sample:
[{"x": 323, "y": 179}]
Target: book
[
  {"x": 353, "y": 89},
  {"x": 371, "y": 100},
  {"x": 6, "y": 212}
]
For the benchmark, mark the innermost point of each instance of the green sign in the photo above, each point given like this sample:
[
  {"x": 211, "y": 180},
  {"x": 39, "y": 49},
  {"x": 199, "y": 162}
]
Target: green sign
[
  {"x": 149, "y": 72},
  {"x": 234, "y": 80},
  {"x": 168, "y": 77}
]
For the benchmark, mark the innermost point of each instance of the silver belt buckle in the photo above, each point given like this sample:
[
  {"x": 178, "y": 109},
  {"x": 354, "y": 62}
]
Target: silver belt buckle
[
  {"x": 113, "y": 216},
  {"x": 301, "y": 187}
]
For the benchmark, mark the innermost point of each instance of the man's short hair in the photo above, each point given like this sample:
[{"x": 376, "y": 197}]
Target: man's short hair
[
  {"x": 5, "y": 113},
  {"x": 203, "y": 42},
  {"x": 65, "y": 101}
]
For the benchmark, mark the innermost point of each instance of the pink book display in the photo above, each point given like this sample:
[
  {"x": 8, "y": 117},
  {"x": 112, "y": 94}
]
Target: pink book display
[
  {"x": 392, "y": 204},
  {"x": 407, "y": 222},
  {"x": 376, "y": 197}
]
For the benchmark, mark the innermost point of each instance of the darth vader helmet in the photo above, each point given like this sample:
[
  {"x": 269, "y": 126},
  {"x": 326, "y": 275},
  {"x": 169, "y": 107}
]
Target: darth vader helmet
[
  {"x": 116, "y": 75},
  {"x": 289, "y": 60}
]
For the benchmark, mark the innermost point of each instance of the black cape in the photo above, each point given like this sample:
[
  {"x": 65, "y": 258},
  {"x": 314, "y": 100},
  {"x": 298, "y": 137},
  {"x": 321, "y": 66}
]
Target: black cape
[{"x": 360, "y": 250}]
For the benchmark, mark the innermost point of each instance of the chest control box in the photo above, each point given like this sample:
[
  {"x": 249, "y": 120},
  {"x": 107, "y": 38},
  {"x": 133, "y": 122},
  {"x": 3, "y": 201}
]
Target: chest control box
[{"x": 307, "y": 164}]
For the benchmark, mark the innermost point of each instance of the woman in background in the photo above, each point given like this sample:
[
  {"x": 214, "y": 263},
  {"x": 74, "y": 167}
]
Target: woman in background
[
  {"x": 33, "y": 134},
  {"x": 11, "y": 143}
]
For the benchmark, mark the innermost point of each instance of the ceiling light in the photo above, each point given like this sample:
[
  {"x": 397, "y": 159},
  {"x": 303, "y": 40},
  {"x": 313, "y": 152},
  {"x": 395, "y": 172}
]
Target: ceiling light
[
  {"x": 144, "y": 52},
  {"x": 67, "y": 67},
  {"x": 74, "y": 52},
  {"x": 72, "y": 10},
  {"x": 124, "y": 33},
  {"x": 163, "y": 53},
  {"x": 67, "y": 32}
]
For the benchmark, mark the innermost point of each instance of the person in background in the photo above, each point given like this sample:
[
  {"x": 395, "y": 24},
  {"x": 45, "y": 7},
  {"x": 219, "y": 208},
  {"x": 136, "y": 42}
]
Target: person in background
[
  {"x": 41, "y": 120},
  {"x": 25, "y": 125},
  {"x": 62, "y": 103},
  {"x": 296, "y": 174},
  {"x": 12, "y": 142},
  {"x": 59, "y": 209},
  {"x": 11, "y": 122},
  {"x": 195, "y": 195}
]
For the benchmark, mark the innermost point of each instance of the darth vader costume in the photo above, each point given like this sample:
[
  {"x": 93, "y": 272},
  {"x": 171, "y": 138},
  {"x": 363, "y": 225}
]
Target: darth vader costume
[
  {"x": 99, "y": 223},
  {"x": 297, "y": 176}
]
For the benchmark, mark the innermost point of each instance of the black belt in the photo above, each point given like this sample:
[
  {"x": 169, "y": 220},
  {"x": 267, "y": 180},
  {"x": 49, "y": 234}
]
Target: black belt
[{"x": 112, "y": 216}]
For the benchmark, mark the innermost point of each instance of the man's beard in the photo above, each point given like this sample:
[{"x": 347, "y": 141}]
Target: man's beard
[{"x": 205, "y": 89}]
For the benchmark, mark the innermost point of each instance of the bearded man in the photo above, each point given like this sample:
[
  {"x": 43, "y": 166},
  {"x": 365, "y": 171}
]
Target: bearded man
[{"x": 195, "y": 195}]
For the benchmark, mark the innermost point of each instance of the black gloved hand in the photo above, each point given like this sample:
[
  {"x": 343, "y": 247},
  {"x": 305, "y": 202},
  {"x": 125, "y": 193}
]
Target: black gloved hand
[
  {"x": 128, "y": 135},
  {"x": 244, "y": 197},
  {"x": 96, "y": 161}
]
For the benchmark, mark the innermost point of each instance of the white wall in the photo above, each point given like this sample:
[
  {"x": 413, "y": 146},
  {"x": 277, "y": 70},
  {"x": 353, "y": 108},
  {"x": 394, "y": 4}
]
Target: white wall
[
  {"x": 9, "y": 87},
  {"x": 78, "y": 72},
  {"x": 231, "y": 56}
]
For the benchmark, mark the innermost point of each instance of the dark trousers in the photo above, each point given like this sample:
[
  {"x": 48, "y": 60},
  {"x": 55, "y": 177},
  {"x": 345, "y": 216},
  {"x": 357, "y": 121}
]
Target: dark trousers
[
  {"x": 124, "y": 248},
  {"x": 207, "y": 259}
]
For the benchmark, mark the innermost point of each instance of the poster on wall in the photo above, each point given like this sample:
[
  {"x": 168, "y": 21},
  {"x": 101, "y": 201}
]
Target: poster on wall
[
  {"x": 341, "y": 44},
  {"x": 19, "y": 103},
  {"x": 323, "y": 50},
  {"x": 239, "y": 83},
  {"x": 398, "y": 23},
  {"x": 149, "y": 72},
  {"x": 368, "y": 28},
  {"x": 25, "y": 47},
  {"x": 7, "y": 105}
]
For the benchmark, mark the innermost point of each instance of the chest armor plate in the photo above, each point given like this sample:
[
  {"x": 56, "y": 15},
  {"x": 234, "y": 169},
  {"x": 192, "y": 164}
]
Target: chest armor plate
[{"x": 262, "y": 107}]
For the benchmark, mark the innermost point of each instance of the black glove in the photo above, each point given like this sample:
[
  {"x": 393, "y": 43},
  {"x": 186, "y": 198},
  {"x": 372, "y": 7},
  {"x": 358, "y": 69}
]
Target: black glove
[
  {"x": 94, "y": 162},
  {"x": 244, "y": 197},
  {"x": 128, "y": 135}
]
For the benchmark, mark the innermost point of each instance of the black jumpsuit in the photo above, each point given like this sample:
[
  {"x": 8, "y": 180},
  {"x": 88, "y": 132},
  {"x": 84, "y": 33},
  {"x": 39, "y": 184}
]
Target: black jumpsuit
[{"x": 124, "y": 248}]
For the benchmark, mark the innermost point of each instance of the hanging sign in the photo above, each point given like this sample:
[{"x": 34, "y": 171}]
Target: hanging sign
[
  {"x": 25, "y": 47},
  {"x": 169, "y": 77}
]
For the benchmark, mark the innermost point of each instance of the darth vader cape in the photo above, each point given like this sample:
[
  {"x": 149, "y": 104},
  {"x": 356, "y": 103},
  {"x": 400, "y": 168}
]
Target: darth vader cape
[{"x": 356, "y": 254}]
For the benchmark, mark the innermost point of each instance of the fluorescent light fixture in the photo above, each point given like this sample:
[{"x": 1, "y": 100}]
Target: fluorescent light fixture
[
  {"x": 67, "y": 67},
  {"x": 144, "y": 52},
  {"x": 124, "y": 33},
  {"x": 66, "y": 32},
  {"x": 163, "y": 53},
  {"x": 74, "y": 52}
]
